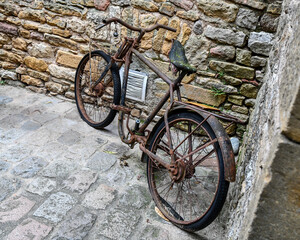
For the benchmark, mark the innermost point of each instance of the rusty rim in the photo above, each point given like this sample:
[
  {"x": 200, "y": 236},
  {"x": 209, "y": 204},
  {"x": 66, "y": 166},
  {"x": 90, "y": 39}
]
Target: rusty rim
[
  {"x": 187, "y": 198},
  {"x": 94, "y": 103}
]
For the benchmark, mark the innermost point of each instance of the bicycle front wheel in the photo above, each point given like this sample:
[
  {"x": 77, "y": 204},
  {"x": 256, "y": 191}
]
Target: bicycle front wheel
[
  {"x": 193, "y": 193},
  {"x": 94, "y": 103}
]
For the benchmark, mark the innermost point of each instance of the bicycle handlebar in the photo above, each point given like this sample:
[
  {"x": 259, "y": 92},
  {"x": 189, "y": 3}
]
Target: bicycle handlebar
[{"x": 114, "y": 19}]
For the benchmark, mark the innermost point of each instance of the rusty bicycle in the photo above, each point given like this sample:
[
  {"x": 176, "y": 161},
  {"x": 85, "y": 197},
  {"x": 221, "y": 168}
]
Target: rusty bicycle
[{"x": 189, "y": 157}]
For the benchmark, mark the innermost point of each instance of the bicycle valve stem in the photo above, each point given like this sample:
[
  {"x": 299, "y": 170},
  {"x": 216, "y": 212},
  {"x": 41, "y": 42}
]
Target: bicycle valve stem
[{"x": 137, "y": 124}]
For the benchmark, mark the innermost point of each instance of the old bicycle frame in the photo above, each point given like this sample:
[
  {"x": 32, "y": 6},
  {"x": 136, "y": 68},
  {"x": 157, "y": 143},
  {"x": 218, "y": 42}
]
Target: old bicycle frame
[{"x": 123, "y": 56}]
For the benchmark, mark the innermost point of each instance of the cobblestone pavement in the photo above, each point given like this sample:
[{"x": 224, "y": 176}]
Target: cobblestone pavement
[{"x": 61, "y": 179}]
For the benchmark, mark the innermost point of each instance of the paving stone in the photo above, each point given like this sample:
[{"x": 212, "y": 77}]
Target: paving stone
[
  {"x": 101, "y": 161},
  {"x": 70, "y": 137},
  {"x": 14, "y": 208},
  {"x": 4, "y": 166},
  {"x": 5, "y": 100},
  {"x": 118, "y": 224},
  {"x": 29, "y": 167},
  {"x": 58, "y": 169},
  {"x": 129, "y": 198},
  {"x": 8, "y": 186},
  {"x": 29, "y": 229},
  {"x": 100, "y": 198},
  {"x": 11, "y": 135},
  {"x": 76, "y": 226},
  {"x": 31, "y": 125},
  {"x": 15, "y": 154},
  {"x": 55, "y": 207},
  {"x": 116, "y": 148},
  {"x": 81, "y": 181},
  {"x": 41, "y": 186},
  {"x": 13, "y": 121}
]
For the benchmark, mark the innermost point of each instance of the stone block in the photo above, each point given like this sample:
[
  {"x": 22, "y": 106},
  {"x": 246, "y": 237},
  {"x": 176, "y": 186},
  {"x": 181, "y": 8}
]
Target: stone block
[
  {"x": 159, "y": 38},
  {"x": 76, "y": 226},
  {"x": 61, "y": 23},
  {"x": 218, "y": 8},
  {"x": 167, "y": 8},
  {"x": 213, "y": 83},
  {"x": 63, "y": 9},
  {"x": 76, "y": 25},
  {"x": 269, "y": 22},
  {"x": 33, "y": 15},
  {"x": 247, "y": 18},
  {"x": 174, "y": 23},
  {"x": 8, "y": 28},
  {"x": 19, "y": 43},
  {"x": 223, "y": 51},
  {"x": 8, "y": 75},
  {"x": 80, "y": 181},
  {"x": 4, "y": 39},
  {"x": 232, "y": 69},
  {"x": 68, "y": 59},
  {"x": 250, "y": 102},
  {"x": 121, "y": 3},
  {"x": 240, "y": 109},
  {"x": 35, "y": 74},
  {"x": 59, "y": 41},
  {"x": 226, "y": 36},
  {"x": 275, "y": 8},
  {"x": 202, "y": 95},
  {"x": 31, "y": 81},
  {"x": 236, "y": 99},
  {"x": 198, "y": 28},
  {"x": 260, "y": 42},
  {"x": 62, "y": 72},
  {"x": 185, "y": 4},
  {"x": 249, "y": 90},
  {"x": 41, "y": 186},
  {"x": 29, "y": 227},
  {"x": 101, "y": 4},
  {"x": 257, "y": 61},
  {"x": 29, "y": 167},
  {"x": 100, "y": 198},
  {"x": 190, "y": 15},
  {"x": 185, "y": 33},
  {"x": 197, "y": 51},
  {"x": 55, "y": 207},
  {"x": 243, "y": 56},
  {"x": 62, "y": 33},
  {"x": 41, "y": 50},
  {"x": 145, "y": 5},
  {"x": 14, "y": 208},
  {"x": 24, "y": 33},
  {"x": 257, "y": 4},
  {"x": 36, "y": 64}
]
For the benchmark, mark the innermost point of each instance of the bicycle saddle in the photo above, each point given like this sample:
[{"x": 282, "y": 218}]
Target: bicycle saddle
[{"x": 178, "y": 59}]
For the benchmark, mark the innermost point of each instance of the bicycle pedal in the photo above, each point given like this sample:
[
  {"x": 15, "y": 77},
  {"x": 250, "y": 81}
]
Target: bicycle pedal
[{"x": 159, "y": 213}]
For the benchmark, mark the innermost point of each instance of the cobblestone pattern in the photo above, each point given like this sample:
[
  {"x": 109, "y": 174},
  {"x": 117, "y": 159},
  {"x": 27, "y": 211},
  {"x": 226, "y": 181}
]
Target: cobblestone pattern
[
  {"x": 42, "y": 42},
  {"x": 72, "y": 189}
]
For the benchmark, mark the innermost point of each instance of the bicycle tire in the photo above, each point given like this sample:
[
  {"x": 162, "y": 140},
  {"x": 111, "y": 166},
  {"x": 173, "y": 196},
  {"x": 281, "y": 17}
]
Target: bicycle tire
[
  {"x": 194, "y": 198},
  {"x": 95, "y": 109}
]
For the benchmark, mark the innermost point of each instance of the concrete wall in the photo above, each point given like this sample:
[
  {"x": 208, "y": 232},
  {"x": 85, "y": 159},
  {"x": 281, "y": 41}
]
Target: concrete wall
[{"x": 265, "y": 200}]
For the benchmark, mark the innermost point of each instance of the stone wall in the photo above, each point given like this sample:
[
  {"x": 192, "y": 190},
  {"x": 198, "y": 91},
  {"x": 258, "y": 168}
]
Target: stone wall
[
  {"x": 42, "y": 42},
  {"x": 265, "y": 200}
]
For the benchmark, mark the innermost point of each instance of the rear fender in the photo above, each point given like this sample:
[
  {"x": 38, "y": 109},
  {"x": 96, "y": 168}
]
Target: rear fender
[{"x": 223, "y": 139}]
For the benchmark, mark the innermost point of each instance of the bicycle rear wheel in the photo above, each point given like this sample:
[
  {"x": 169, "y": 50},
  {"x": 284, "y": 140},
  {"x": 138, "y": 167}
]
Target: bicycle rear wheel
[
  {"x": 95, "y": 104},
  {"x": 193, "y": 195}
]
